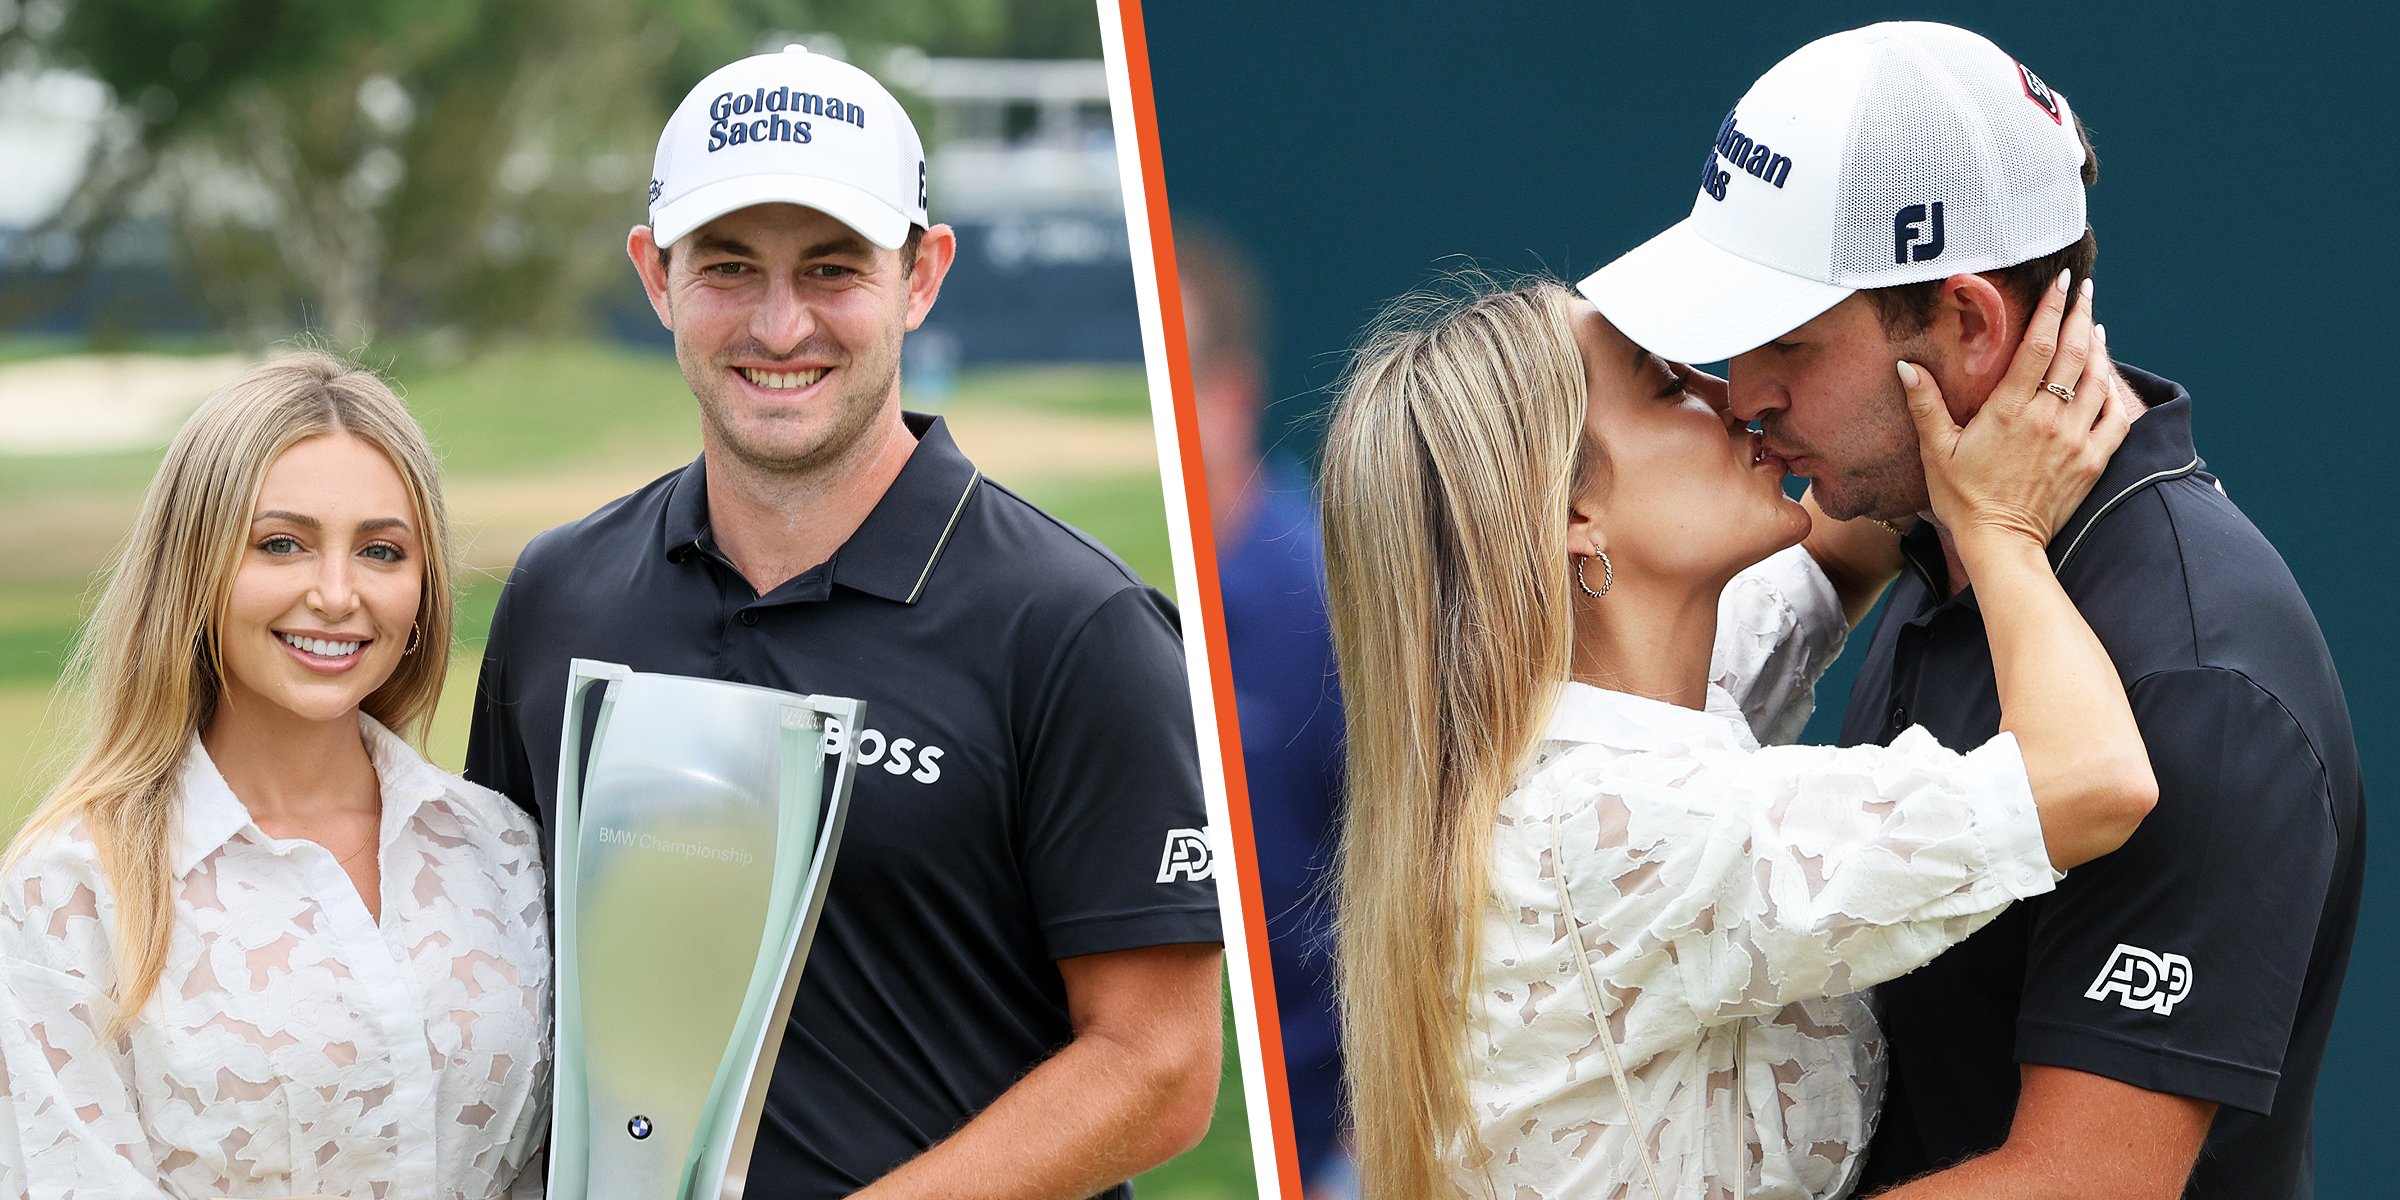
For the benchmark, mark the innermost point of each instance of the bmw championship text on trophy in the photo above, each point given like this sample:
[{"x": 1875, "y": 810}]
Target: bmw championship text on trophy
[{"x": 694, "y": 840}]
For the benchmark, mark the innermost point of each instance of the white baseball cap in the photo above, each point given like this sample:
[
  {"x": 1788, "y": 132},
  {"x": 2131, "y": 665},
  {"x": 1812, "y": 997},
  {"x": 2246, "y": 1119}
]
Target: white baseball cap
[
  {"x": 791, "y": 128},
  {"x": 1893, "y": 154}
]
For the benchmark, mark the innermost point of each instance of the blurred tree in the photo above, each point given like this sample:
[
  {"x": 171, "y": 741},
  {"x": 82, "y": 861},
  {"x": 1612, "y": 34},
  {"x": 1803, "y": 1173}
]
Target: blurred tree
[{"x": 387, "y": 165}]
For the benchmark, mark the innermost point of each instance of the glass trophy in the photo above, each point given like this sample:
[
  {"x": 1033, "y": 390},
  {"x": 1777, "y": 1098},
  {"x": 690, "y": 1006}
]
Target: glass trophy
[{"x": 694, "y": 840}]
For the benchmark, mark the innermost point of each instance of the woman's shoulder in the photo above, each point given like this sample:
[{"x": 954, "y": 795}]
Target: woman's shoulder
[
  {"x": 1779, "y": 626},
  {"x": 56, "y": 905},
  {"x": 500, "y": 816},
  {"x": 514, "y": 825},
  {"x": 45, "y": 864},
  {"x": 401, "y": 764},
  {"x": 1593, "y": 730}
]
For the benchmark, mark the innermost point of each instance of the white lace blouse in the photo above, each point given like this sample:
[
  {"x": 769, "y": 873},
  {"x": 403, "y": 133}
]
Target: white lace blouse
[
  {"x": 1666, "y": 892},
  {"x": 293, "y": 1047}
]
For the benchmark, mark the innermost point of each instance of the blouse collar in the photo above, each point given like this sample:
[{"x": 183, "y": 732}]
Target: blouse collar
[
  {"x": 212, "y": 815},
  {"x": 1623, "y": 720}
]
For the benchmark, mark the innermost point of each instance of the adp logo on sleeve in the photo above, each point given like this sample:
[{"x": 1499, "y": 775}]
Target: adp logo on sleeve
[
  {"x": 1187, "y": 856},
  {"x": 2141, "y": 979}
]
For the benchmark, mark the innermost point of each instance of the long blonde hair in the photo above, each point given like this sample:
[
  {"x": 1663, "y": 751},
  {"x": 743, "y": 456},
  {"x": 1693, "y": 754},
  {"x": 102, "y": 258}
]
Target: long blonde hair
[
  {"x": 1448, "y": 471},
  {"x": 148, "y": 666}
]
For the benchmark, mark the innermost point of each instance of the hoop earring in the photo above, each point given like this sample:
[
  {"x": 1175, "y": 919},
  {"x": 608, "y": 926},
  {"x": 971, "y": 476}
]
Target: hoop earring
[
  {"x": 1608, "y": 574},
  {"x": 416, "y": 637}
]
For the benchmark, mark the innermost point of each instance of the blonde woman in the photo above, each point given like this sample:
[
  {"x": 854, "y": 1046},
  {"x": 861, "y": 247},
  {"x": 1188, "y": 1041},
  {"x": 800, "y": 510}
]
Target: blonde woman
[
  {"x": 1595, "y": 941},
  {"x": 253, "y": 943}
]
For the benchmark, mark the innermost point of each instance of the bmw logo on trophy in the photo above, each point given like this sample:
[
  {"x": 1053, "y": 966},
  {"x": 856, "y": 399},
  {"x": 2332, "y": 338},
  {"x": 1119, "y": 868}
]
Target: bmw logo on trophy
[{"x": 695, "y": 837}]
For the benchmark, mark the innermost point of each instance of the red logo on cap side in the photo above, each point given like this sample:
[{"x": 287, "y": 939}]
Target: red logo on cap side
[{"x": 2039, "y": 93}]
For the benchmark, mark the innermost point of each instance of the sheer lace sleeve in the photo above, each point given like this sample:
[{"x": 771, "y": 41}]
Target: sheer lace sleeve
[
  {"x": 75, "y": 1128},
  {"x": 1745, "y": 881},
  {"x": 1779, "y": 625}
]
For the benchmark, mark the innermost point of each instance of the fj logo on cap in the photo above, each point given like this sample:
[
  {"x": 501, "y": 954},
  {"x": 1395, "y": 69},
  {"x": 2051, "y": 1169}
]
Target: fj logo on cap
[
  {"x": 2141, "y": 979},
  {"x": 1917, "y": 233},
  {"x": 1187, "y": 856},
  {"x": 2039, "y": 93}
]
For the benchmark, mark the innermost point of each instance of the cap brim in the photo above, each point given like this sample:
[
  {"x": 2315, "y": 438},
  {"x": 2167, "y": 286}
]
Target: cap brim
[
  {"x": 875, "y": 220},
  {"x": 1682, "y": 298}
]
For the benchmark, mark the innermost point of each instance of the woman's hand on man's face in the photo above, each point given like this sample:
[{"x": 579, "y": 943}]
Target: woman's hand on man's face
[{"x": 2024, "y": 462}]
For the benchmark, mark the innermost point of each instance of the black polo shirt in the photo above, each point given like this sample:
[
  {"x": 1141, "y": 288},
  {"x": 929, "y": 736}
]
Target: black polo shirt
[
  {"x": 2204, "y": 958},
  {"x": 1026, "y": 767}
]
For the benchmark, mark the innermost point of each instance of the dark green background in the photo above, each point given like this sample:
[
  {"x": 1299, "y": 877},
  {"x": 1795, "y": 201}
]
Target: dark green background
[{"x": 2245, "y": 215}]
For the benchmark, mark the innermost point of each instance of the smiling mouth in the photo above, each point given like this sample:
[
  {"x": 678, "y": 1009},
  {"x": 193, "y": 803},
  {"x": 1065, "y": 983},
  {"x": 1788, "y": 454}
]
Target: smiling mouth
[
  {"x": 783, "y": 381},
  {"x": 321, "y": 647}
]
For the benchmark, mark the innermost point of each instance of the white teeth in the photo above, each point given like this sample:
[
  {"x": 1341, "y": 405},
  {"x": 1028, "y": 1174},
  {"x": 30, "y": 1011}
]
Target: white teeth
[
  {"x": 783, "y": 380},
  {"x": 321, "y": 647}
]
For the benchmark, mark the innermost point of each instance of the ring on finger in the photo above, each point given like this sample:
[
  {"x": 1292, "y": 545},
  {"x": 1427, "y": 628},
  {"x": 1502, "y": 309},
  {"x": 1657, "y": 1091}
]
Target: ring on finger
[{"x": 2061, "y": 391}]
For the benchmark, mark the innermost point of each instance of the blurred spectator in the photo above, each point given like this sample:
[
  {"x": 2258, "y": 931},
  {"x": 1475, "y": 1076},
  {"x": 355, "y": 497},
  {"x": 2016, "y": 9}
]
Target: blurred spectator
[{"x": 1270, "y": 566}]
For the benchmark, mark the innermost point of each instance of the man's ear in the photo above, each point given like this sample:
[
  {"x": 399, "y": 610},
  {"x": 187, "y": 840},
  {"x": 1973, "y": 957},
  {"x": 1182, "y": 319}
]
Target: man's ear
[
  {"x": 1973, "y": 338},
  {"x": 935, "y": 252},
  {"x": 1981, "y": 330},
  {"x": 642, "y": 248}
]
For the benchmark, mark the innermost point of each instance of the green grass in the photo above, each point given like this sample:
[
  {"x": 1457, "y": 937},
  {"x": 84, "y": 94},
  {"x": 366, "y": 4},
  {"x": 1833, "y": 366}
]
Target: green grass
[
  {"x": 551, "y": 404},
  {"x": 28, "y": 478},
  {"x": 26, "y": 718},
  {"x": 18, "y": 347},
  {"x": 37, "y": 626},
  {"x": 1085, "y": 390},
  {"x": 34, "y": 655},
  {"x": 1124, "y": 512}
]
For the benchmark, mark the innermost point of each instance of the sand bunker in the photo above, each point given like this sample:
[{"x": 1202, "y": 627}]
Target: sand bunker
[{"x": 97, "y": 403}]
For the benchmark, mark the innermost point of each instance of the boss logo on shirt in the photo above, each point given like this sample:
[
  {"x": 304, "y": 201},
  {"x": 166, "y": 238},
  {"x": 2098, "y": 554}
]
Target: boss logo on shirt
[
  {"x": 896, "y": 755},
  {"x": 2140, "y": 979},
  {"x": 1187, "y": 856}
]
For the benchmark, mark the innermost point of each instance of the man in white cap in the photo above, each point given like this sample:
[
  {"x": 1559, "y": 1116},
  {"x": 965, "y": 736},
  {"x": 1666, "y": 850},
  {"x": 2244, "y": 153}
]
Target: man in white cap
[
  {"x": 2155, "y": 1026},
  {"x": 1013, "y": 990}
]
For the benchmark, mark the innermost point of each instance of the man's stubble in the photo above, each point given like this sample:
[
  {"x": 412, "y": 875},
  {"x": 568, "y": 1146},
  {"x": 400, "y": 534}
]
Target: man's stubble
[
  {"x": 1877, "y": 471},
  {"x": 868, "y": 390}
]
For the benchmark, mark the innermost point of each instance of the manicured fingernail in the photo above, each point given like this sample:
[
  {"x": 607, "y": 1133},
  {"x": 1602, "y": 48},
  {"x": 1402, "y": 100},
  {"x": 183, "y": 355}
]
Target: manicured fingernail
[
  {"x": 2087, "y": 289},
  {"x": 1908, "y": 373},
  {"x": 2063, "y": 276},
  {"x": 2100, "y": 334}
]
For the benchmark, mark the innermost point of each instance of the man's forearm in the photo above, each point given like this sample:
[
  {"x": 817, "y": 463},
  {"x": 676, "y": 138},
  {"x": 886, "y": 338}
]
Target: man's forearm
[
  {"x": 2077, "y": 1135},
  {"x": 1999, "y": 1175},
  {"x": 2007, "y": 1174},
  {"x": 1135, "y": 1087}
]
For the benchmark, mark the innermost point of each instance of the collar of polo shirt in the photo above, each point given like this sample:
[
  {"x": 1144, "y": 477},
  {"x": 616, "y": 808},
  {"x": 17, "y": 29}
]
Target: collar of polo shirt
[
  {"x": 2158, "y": 447},
  {"x": 895, "y": 549}
]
